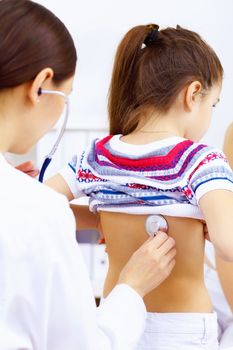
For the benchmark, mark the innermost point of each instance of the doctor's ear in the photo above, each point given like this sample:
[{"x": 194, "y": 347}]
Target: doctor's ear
[
  {"x": 43, "y": 78},
  {"x": 192, "y": 95}
]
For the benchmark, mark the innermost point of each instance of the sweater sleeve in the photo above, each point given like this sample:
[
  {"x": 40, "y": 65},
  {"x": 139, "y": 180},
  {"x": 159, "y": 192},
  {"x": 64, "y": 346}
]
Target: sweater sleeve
[
  {"x": 212, "y": 172},
  {"x": 70, "y": 172}
]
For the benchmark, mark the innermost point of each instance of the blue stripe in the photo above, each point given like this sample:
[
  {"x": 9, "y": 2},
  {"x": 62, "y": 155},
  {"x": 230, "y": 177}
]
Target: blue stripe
[
  {"x": 216, "y": 178},
  {"x": 72, "y": 168},
  {"x": 111, "y": 192},
  {"x": 131, "y": 195},
  {"x": 156, "y": 197}
]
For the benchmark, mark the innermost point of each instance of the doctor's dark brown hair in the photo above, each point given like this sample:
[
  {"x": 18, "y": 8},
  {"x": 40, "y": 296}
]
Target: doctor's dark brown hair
[
  {"x": 150, "y": 77},
  {"x": 33, "y": 38}
]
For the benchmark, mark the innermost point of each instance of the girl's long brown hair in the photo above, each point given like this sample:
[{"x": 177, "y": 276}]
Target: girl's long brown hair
[{"x": 152, "y": 76}]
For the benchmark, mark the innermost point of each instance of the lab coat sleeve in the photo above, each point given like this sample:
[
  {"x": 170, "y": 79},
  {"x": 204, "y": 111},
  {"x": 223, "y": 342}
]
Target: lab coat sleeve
[
  {"x": 46, "y": 299},
  {"x": 122, "y": 317}
]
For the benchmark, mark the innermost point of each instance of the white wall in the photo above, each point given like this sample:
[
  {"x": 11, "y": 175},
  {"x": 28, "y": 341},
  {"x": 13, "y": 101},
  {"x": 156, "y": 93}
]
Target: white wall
[{"x": 97, "y": 27}]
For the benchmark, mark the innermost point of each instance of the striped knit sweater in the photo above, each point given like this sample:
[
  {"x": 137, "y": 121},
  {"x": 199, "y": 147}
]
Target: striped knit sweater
[{"x": 165, "y": 177}]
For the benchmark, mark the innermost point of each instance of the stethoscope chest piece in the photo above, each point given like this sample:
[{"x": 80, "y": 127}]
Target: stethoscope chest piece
[{"x": 155, "y": 223}]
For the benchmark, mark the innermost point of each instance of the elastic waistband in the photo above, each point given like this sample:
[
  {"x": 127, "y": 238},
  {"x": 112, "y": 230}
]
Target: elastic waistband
[{"x": 181, "y": 322}]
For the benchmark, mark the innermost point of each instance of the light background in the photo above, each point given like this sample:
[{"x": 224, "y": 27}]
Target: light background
[{"x": 98, "y": 26}]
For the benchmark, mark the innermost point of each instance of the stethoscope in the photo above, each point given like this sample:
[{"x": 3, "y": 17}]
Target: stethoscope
[
  {"x": 153, "y": 224},
  {"x": 50, "y": 155}
]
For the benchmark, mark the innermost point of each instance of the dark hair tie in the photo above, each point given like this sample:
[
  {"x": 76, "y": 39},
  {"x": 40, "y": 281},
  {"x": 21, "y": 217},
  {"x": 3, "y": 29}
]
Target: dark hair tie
[{"x": 152, "y": 35}]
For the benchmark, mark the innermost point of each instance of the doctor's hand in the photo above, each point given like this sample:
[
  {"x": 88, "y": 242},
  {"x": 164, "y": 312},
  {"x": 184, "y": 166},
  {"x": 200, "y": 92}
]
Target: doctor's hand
[
  {"x": 28, "y": 168},
  {"x": 150, "y": 265}
]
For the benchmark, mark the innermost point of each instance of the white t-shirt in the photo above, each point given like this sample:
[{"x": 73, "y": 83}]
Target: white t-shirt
[{"x": 46, "y": 300}]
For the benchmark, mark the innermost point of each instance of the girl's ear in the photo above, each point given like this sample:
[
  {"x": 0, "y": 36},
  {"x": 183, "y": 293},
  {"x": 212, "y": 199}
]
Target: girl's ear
[
  {"x": 192, "y": 95},
  {"x": 43, "y": 78}
]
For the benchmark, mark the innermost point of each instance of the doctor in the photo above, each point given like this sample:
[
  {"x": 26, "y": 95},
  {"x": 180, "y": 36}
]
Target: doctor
[{"x": 46, "y": 301}]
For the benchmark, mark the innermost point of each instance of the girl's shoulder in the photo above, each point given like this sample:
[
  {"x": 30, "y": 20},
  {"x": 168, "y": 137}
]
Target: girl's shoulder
[{"x": 208, "y": 153}]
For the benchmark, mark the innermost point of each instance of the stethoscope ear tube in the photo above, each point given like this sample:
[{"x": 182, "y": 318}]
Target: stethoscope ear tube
[
  {"x": 48, "y": 158},
  {"x": 43, "y": 169}
]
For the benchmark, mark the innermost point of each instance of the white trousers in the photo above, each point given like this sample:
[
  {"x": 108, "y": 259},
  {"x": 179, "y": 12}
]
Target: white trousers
[
  {"x": 226, "y": 342},
  {"x": 180, "y": 331}
]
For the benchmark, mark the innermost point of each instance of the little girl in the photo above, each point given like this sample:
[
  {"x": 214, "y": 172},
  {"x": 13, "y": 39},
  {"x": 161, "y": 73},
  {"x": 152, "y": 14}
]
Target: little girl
[{"x": 164, "y": 86}]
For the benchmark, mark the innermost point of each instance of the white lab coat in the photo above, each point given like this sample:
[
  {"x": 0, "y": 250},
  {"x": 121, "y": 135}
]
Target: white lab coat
[{"x": 46, "y": 300}]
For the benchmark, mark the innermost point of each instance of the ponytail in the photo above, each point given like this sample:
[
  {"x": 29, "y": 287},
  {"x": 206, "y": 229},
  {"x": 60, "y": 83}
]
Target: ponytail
[
  {"x": 122, "y": 97},
  {"x": 150, "y": 70}
]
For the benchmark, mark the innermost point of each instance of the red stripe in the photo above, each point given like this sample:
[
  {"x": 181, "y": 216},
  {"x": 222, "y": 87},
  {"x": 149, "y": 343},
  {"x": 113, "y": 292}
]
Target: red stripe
[{"x": 158, "y": 160}]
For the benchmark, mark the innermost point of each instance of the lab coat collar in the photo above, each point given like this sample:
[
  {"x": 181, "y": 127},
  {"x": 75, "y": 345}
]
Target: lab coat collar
[{"x": 2, "y": 158}]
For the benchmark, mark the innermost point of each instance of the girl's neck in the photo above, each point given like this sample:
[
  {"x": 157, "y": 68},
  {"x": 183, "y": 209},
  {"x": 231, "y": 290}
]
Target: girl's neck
[
  {"x": 155, "y": 127},
  {"x": 145, "y": 138},
  {"x": 161, "y": 126}
]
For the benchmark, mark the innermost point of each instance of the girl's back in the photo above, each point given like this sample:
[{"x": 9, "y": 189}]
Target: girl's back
[
  {"x": 183, "y": 290},
  {"x": 127, "y": 178}
]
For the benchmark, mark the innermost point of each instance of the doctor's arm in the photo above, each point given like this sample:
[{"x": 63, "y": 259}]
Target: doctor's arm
[{"x": 84, "y": 218}]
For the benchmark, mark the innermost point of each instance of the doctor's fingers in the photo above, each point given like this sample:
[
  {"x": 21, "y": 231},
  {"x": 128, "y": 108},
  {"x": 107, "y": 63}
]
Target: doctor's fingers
[
  {"x": 170, "y": 266},
  {"x": 158, "y": 241},
  {"x": 167, "y": 262},
  {"x": 168, "y": 245},
  {"x": 169, "y": 257},
  {"x": 28, "y": 168},
  {"x": 32, "y": 173}
]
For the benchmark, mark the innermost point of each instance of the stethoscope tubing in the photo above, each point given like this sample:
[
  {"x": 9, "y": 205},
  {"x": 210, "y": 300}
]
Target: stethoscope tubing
[{"x": 50, "y": 155}]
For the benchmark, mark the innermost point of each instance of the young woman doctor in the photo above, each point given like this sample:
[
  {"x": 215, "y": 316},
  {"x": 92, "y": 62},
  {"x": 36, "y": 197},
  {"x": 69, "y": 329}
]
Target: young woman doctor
[{"x": 46, "y": 300}]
